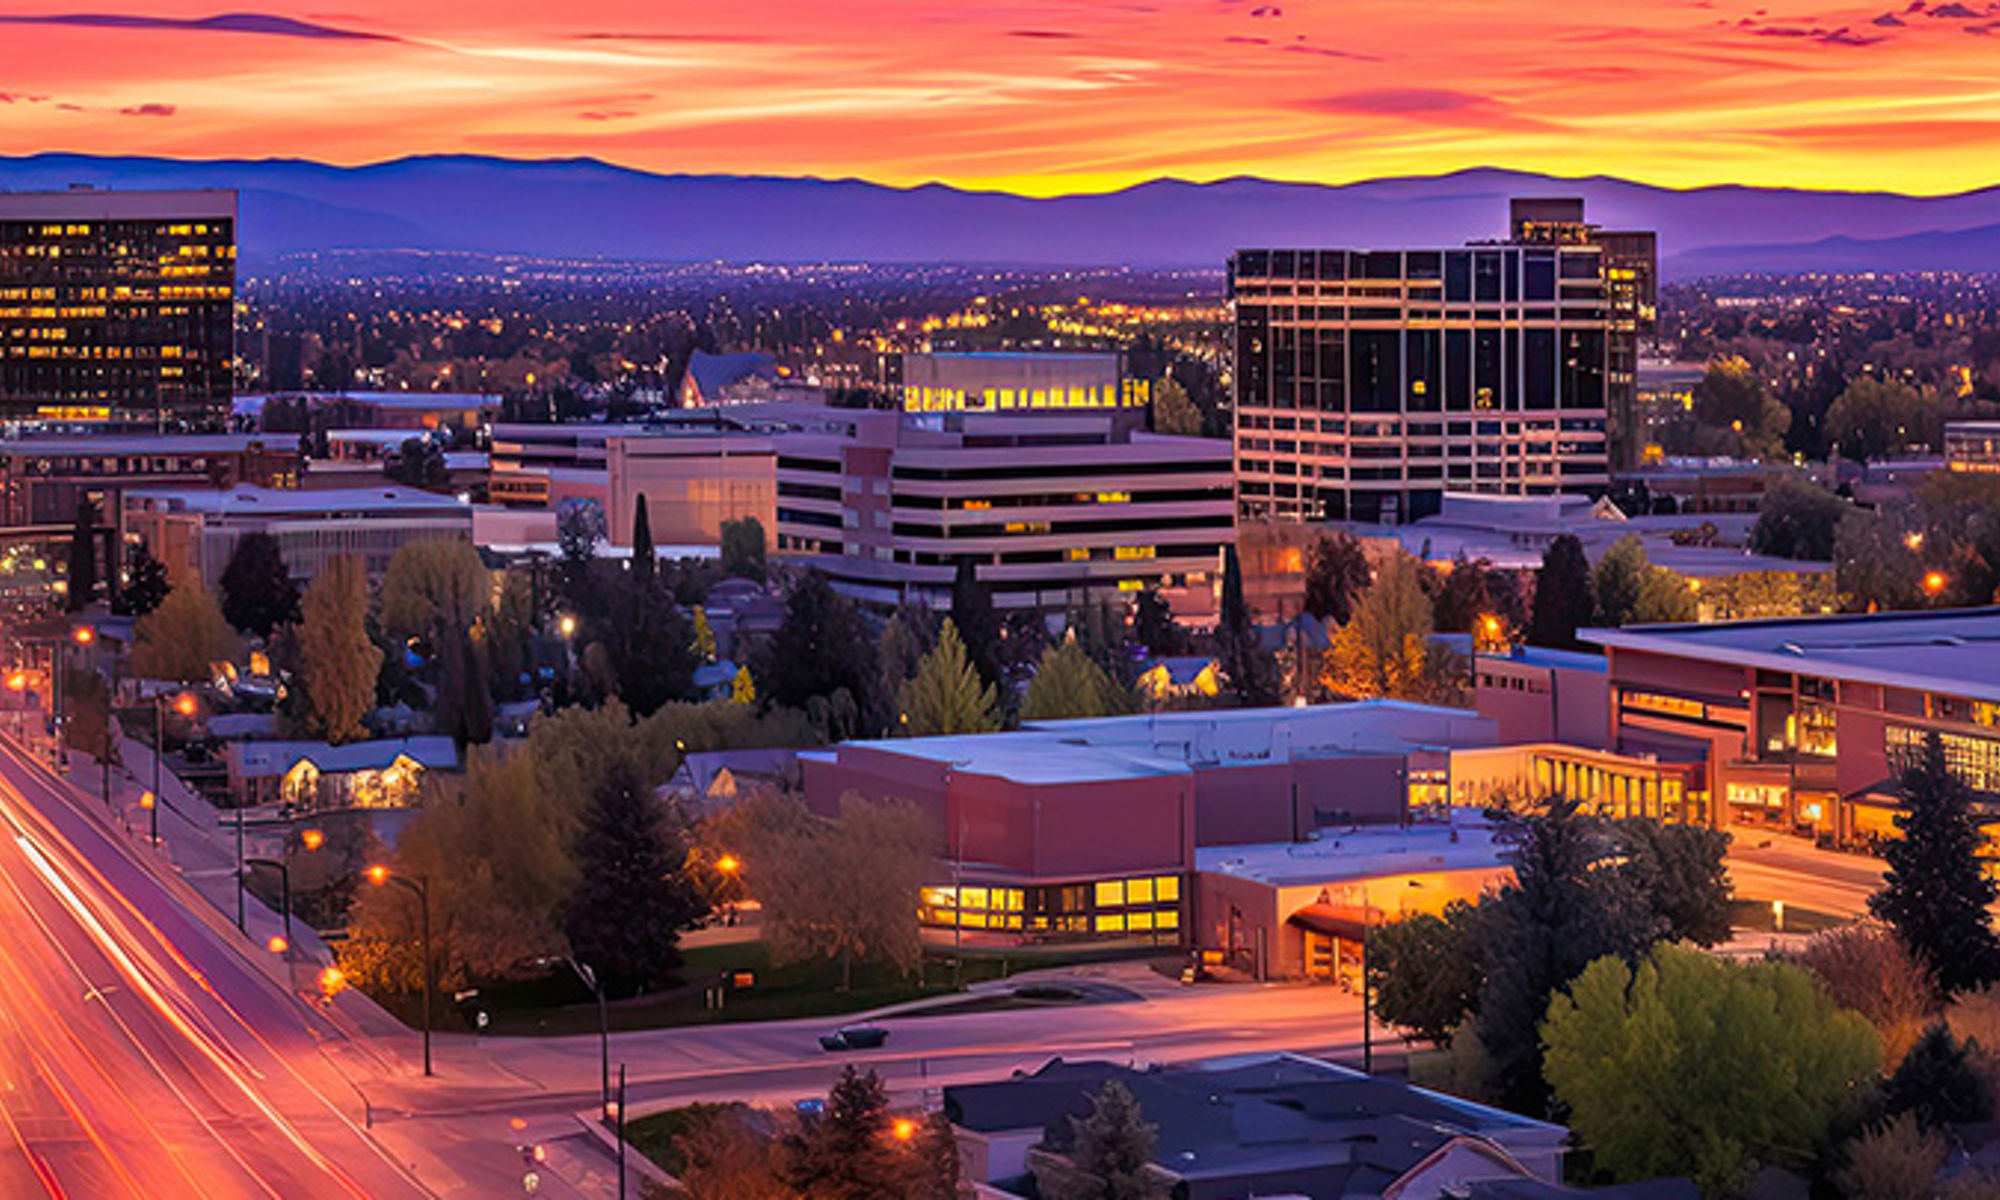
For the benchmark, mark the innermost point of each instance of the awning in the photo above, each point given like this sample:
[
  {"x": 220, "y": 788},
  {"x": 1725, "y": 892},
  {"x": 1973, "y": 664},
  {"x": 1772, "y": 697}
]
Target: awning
[{"x": 1345, "y": 921}]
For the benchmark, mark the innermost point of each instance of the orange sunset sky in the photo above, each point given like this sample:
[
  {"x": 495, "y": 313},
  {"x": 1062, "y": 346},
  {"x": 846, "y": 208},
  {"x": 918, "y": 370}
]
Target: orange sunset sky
[{"x": 1040, "y": 96}]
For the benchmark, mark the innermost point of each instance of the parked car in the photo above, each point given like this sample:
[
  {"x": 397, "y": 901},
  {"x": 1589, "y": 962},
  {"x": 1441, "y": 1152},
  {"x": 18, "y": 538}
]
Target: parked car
[{"x": 854, "y": 1037}]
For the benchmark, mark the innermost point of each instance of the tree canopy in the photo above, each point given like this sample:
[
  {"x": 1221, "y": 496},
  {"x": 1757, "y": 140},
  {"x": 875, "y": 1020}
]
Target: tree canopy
[
  {"x": 631, "y": 900},
  {"x": 184, "y": 637},
  {"x": 1386, "y": 650},
  {"x": 1797, "y": 519},
  {"x": 1631, "y": 590},
  {"x": 742, "y": 548},
  {"x": 1873, "y": 418},
  {"x": 1337, "y": 573},
  {"x": 1936, "y": 893},
  {"x": 1068, "y": 683},
  {"x": 258, "y": 593},
  {"x": 338, "y": 659},
  {"x": 1564, "y": 596},
  {"x": 1686, "y": 1063},
  {"x": 434, "y": 589}
]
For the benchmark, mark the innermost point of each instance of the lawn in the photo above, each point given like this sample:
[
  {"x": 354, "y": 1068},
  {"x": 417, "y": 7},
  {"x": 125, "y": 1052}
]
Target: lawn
[{"x": 561, "y": 1006}]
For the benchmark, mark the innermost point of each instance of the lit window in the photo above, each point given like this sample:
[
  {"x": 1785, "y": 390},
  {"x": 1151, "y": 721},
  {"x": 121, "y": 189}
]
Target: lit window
[
  {"x": 1139, "y": 891},
  {"x": 1111, "y": 894},
  {"x": 1111, "y": 923},
  {"x": 1167, "y": 889}
]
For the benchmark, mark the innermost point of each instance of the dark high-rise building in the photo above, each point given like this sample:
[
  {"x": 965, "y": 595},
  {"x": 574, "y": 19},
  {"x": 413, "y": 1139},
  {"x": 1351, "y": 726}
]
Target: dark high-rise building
[
  {"x": 116, "y": 307},
  {"x": 1369, "y": 383}
]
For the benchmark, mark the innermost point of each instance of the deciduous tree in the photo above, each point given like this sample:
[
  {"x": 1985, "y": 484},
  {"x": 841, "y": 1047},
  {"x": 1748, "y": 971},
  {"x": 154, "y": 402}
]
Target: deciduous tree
[
  {"x": 1424, "y": 971},
  {"x": 1688, "y": 1064},
  {"x": 434, "y": 589},
  {"x": 1337, "y": 573},
  {"x": 338, "y": 660},
  {"x": 743, "y": 548},
  {"x": 1866, "y": 968},
  {"x": 1873, "y": 418},
  {"x": 845, "y": 888},
  {"x": 146, "y": 584},
  {"x": 1797, "y": 519},
  {"x": 1173, "y": 412},
  {"x": 184, "y": 637},
  {"x": 1386, "y": 651}
]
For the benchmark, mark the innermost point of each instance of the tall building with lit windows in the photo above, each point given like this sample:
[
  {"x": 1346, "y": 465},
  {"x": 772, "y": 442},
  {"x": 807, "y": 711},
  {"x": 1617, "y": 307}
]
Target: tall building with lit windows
[
  {"x": 1368, "y": 383},
  {"x": 117, "y": 307},
  {"x": 1005, "y": 381}
]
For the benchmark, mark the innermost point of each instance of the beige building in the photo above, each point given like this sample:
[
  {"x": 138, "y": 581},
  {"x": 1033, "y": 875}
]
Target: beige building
[{"x": 196, "y": 530}]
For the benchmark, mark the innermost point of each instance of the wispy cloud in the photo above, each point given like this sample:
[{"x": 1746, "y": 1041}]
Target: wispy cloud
[{"x": 252, "y": 23}]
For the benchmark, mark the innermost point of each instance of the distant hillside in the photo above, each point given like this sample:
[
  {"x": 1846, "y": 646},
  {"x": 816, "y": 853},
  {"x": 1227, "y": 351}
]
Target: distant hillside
[{"x": 583, "y": 207}]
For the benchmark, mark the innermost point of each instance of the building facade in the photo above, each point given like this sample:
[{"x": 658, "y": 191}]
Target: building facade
[
  {"x": 1053, "y": 510},
  {"x": 1369, "y": 383},
  {"x": 1803, "y": 726},
  {"x": 117, "y": 306},
  {"x": 1005, "y": 382},
  {"x": 1972, "y": 446},
  {"x": 197, "y": 529}
]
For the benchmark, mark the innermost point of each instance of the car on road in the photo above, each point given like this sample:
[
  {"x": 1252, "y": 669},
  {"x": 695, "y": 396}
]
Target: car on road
[{"x": 854, "y": 1037}]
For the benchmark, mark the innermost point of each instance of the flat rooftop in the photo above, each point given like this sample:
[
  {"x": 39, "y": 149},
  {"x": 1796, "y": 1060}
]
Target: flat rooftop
[
  {"x": 1955, "y": 651},
  {"x": 87, "y": 445},
  {"x": 1466, "y": 842},
  {"x": 247, "y": 501},
  {"x": 100, "y": 204}
]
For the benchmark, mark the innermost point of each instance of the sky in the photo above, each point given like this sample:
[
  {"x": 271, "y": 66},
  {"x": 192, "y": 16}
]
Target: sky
[{"x": 1038, "y": 96}]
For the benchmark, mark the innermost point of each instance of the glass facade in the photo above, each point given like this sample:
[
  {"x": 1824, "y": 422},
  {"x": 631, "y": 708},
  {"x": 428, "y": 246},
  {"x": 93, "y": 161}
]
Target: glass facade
[
  {"x": 1147, "y": 908},
  {"x": 117, "y": 306}
]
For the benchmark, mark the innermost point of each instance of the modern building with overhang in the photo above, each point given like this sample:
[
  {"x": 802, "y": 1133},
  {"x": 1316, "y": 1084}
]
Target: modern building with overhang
[{"x": 1804, "y": 725}]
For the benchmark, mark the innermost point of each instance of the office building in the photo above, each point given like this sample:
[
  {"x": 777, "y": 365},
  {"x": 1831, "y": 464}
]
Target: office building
[
  {"x": 1054, "y": 510},
  {"x": 1803, "y": 726},
  {"x": 1972, "y": 446},
  {"x": 1006, "y": 382},
  {"x": 196, "y": 529},
  {"x": 117, "y": 307},
  {"x": 44, "y": 479},
  {"x": 1370, "y": 382}
]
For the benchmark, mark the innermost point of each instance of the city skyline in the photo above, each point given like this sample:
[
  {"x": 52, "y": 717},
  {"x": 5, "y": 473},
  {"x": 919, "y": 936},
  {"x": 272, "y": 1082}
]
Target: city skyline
[{"x": 1039, "y": 98}]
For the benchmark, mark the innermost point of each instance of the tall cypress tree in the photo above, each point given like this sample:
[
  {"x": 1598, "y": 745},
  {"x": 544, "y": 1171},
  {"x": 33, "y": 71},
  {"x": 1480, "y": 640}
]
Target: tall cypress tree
[
  {"x": 642, "y": 542},
  {"x": 1936, "y": 893},
  {"x": 1564, "y": 597},
  {"x": 1252, "y": 670},
  {"x": 979, "y": 626},
  {"x": 82, "y": 574}
]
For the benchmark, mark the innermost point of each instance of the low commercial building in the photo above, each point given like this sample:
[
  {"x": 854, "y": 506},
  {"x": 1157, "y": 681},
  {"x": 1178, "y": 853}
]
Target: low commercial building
[
  {"x": 1280, "y": 1125},
  {"x": 1090, "y": 829},
  {"x": 197, "y": 530},
  {"x": 1972, "y": 446},
  {"x": 1803, "y": 726},
  {"x": 1534, "y": 694}
]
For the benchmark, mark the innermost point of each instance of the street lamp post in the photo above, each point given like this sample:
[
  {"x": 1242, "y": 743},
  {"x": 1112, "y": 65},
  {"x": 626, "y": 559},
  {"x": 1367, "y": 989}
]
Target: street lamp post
[
  {"x": 379, "y": 875},
  {"x": 184, "y": 704},
  {"x": 285, "y": 886},
  {"x": 596, "y": 986}
]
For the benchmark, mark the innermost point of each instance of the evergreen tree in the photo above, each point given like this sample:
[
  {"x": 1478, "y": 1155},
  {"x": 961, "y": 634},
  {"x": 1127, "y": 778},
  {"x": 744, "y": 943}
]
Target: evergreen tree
[
  {"x": 849, "y": 1152},
  {"x": 1252, "y": 670},
  {"x": 1068, "y": 684},
  {"x": 338, "y": 659},
  {"x": 465, "y": 705},
  {"x": 258, "y": 593},
  {"x": 1173, "y": 412},
  {"x": 1110, "y": 1149},
  {"x": 947, "y": 695},
  {"x": 1564, "y": 601},
  {"x": 1936, "y": 893},
  {"x": 82, "y": 574},
  {"x": 631, "y": 899},
  {"x": 1337, "y": 572},
  {"x": 704, "y": 635},
  {"x": 1939, "y": 1083},
  {"x": 1463, "y": 597},
  {"x": 1154, "y": 627},
  {"x": 936, "y": 1172},
  {"x": 978, "y": 625},
  {"x": 146, "y": 584},
  {"x": 643, "y": 637},
  {"x": 743, "y": 688},
  {"x": 643, "y": 562},
  {"x": 822, "y": 648}
]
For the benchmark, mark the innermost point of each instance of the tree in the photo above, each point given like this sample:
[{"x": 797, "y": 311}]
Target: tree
[
  {"x": 1110, "y": 1152},
  {"x": 1797, "y": 519},
  {"x": 146, "y": 584},
  {"x": 743, "y": 549},
  {"x": 495, "y": 850},
  {"x": 723, "y": 1157},
  {"x": 465, "y": 702},
  {"x": 633, "y": 627},
  {"x": 1154, "y": 627},
  {"x": 1564, "y": 601},
  {"x": 1896, "y": 1160},
  {"x": 579, "y": 528},
  {"x": 978, "y": 624},
  {"x": 1252, "y": 671},
  {"x": 89, "y": 727},
  {"x": 946, "y": 695},
  {"x": 435, "y": 590},
  {"x": 417, "y": 462},
  {"x": 643, "y": 560},
  {"x": 848, "y": 1151},
  {"x": 1463, "y": 597},
  {"x": 1873, "y": 419},
  {"x": 1866, "y": 968},
  {"x": 1681, "y": 871},
  {"x": 1385, "y": 651},
  {"x": 1173, "y": 412},
  {"x": 1337, "y": 573},
  {"x": 81, "y": 576},
  {"x": 1631, "y": 590},
  {"x": 631, "y": 900},
  {"x": 1938, "y": 1083},
  {"x": 1731, "y": 397},
  {"x": 844, "y": 889},
  {"x": 1424, "y": 971},
  {"x": 339, "y": 661},
  {"x": 1689, "y": 1064},
  {"x": 1936, "y": 893},
  {"x": 258, "y": 593},
  {"x": 704, "y": 635},
  {"x": 822, "y": 648},
  {"x": 743, "y": 687},
  {"x": 1068, "y": 684},
  {"x": 184, "y": 637},
  {"x": 1561, "y": 913},
  {"x": 1875, "y": 564}
]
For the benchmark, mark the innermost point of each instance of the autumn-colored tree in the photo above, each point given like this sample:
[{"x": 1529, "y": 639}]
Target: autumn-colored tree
[
  {"x": 339, "y": 661},
  {"x": 184, "y": 637}
]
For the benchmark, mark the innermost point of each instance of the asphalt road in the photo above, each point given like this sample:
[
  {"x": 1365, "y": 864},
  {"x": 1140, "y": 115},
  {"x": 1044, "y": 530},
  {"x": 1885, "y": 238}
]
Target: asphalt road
[{"x": 142, "y": 1055}]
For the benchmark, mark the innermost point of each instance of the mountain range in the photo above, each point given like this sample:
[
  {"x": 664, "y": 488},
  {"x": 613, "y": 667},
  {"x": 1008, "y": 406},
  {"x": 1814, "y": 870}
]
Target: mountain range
[{"x": 587, "y": 208}]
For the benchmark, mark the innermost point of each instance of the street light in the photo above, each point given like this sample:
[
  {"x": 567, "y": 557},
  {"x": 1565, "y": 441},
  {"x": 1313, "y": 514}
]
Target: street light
[
  {"x": 285, "y": 883},
  {"x": 185, "y": 705},
  {"x": 596, "y": 986},
  {"x": 379, "y": 875},
  {"x": 1934, "y": 582}
]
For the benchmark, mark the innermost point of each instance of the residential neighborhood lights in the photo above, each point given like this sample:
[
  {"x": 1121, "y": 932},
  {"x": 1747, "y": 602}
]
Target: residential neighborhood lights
[{"x": 379, "y": 875}]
